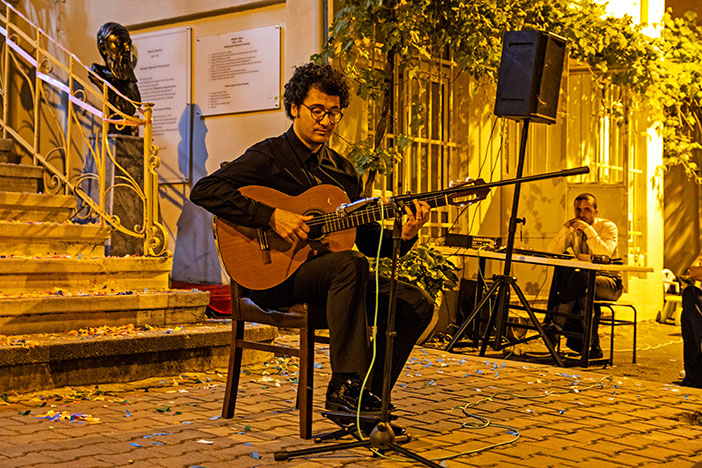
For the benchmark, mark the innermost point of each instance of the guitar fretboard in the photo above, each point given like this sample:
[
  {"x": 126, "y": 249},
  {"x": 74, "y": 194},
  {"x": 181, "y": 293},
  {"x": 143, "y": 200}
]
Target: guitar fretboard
[{"x": 332, "y": 222}]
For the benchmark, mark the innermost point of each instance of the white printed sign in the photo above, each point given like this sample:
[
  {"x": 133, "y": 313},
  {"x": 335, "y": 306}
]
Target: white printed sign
[
  {"x": 238, "y": 72},
  {"x": 163, "y": 71}
]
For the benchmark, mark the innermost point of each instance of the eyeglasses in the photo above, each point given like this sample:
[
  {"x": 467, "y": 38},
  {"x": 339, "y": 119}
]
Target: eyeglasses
[{"x": 318, "y": 114}]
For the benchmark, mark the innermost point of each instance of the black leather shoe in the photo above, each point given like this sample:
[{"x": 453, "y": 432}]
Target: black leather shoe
[
  {"x": 696, "y": 383},
  {"x": 344, "y": 398},
  {"x": 574, "y": 344}
]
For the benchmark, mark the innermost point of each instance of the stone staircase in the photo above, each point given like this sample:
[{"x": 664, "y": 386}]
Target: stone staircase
[
  {"x": 54, "y": 276},
  {"x": 56, "y": 285}
]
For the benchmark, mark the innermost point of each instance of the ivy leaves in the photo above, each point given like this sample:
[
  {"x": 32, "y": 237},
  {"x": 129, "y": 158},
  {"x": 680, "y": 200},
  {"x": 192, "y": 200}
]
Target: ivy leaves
[
  {"x": 367, "y": 157},
  {"x": 679, "y": 93}
]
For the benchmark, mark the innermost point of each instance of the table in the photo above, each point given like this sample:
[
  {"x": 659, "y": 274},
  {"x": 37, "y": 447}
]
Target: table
[{"x": 590, "y": 268}]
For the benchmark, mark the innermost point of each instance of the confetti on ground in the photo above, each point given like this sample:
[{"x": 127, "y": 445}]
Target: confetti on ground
[
  {"x": 16, "y": 341},
  {"x": 106, "y": 330},
  {"x": 52, "y": 415},
  {"x": 203, "y": 441}
]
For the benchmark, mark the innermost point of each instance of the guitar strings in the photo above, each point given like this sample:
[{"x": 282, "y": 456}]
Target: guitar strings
[
  {"x": 375, "y": 211},
  {"x": 331, "y": 216}
]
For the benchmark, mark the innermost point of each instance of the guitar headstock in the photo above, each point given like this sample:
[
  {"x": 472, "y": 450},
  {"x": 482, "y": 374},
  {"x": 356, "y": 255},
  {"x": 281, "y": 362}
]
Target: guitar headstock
[{"x": 468, "y": 192}]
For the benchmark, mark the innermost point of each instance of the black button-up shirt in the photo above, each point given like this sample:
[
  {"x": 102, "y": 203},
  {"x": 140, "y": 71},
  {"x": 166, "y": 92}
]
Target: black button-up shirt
[{"x": 283, "y": 163}]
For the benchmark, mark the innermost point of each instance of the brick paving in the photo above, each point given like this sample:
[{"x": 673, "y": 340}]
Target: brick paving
[{"x": 463, "y": 411}]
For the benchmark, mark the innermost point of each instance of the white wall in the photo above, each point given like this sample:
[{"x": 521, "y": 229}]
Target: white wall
[{"x": 218, "y": 138}]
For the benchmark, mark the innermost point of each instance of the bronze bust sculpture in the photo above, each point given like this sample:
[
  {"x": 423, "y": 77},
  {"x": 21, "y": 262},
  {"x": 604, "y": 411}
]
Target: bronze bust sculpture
[{"x": 115, "y": 47}]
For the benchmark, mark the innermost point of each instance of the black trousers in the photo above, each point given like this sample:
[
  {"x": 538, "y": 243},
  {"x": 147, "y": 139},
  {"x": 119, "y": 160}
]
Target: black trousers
[
  {"x": 691, "y": 327},
  {"x": 569, "y": 289},
  {"x": 341, "y": 283}
]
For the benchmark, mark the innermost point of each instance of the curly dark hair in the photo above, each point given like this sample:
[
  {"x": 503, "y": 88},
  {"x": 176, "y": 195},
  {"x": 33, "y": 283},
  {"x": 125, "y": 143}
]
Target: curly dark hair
[{"x": 322, "y": 77}]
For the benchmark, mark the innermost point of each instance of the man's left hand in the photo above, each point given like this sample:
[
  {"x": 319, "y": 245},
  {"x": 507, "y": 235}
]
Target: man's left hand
[
  {"x": 415, "y": 220},
  {"x": 577, "y": 225}
]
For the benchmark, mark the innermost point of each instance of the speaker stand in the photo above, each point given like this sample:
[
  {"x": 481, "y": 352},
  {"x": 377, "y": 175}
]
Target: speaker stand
[{"x": 503, "y": 283}]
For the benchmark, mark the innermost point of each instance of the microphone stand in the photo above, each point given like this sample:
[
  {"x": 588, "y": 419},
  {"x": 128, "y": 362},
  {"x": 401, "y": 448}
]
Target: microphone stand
[{"x": 382, "y": 436}]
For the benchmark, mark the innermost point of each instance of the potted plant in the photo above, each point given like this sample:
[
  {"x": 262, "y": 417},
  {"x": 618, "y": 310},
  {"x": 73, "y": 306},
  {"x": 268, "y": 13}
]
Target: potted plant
[{"x": 426, "y": 267}]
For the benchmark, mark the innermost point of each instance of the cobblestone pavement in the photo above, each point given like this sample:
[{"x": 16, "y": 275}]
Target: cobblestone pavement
[{"x": 461, "y": 411}]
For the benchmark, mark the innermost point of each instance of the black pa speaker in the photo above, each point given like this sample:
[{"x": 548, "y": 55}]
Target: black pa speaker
[{"x": 529, "y": 78}]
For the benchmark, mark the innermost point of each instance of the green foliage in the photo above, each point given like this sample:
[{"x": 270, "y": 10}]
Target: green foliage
[
  {"x": 680, "y": 93},
  {"x": 664, "y": 74},
  {"x": 367, "y": 157},
  {"x": 423, "y": 266}
]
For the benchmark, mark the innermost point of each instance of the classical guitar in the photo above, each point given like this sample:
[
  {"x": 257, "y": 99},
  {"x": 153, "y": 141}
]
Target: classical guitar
[{"x": 260, "y": 259}]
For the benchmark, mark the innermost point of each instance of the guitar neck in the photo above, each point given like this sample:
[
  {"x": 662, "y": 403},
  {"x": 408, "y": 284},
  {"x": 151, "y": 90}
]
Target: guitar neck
[{"x": 332, "y": 222}]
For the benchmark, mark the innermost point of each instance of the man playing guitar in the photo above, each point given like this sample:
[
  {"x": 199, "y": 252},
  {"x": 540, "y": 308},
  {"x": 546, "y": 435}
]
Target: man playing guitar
[{"x": 292, "y": 163}]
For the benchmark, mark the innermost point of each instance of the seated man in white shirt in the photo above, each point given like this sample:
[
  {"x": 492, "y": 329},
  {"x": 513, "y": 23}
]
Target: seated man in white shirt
[{"x": 585, "y": 234}]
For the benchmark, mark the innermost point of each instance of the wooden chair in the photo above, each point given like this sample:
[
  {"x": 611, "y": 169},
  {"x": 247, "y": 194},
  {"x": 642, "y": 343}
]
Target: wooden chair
[
  {"x": 615, "y": 322},
  {"x": 296, "y": 317}
]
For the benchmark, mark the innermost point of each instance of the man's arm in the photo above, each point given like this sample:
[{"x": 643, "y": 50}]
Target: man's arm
[
  {"x": 368, "y": 236},
  {"x": 219, "y": 193},
  {"x": 604, "y": 242}
]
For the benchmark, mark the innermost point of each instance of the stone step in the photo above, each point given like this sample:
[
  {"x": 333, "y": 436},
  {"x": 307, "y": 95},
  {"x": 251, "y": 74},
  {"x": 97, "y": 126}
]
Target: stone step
[
  {"x": 45, "y": 239},
  {"x": 20, "y": 177},
  {"x": 62, "y": 311},
  {"x": 30, "y": 275},
  {"x": 38, "y": 362},
  {"x": 23, "y": 206}
]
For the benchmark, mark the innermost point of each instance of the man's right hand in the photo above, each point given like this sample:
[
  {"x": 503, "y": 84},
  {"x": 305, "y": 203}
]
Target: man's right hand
[{"x": 288, "y": 225}]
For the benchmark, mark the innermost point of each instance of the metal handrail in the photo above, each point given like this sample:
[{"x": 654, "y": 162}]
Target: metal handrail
[{"x": 58, "y": 142}]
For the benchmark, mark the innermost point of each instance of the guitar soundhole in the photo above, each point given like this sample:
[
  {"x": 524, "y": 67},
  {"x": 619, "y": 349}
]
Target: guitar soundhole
[{"x": 316, "y": 225}]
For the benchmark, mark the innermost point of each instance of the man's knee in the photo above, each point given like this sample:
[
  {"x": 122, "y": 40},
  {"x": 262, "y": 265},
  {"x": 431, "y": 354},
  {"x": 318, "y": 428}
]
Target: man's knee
[
  {"x": 352, "y": 264},
  {"x": 608, "y": 288},
  {"x": 420, "y": 302}
]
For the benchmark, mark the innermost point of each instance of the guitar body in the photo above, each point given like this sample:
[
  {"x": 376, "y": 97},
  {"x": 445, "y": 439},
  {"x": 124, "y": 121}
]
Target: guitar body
[{"x": 251, "y": 266}]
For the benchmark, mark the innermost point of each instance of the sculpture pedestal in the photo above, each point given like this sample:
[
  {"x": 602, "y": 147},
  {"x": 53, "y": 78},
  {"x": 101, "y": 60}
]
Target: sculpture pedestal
[{"x": 121, "y": 201}]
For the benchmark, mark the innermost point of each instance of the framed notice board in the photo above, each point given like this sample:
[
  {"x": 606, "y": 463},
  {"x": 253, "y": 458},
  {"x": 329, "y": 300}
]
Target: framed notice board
[
  {"x": 238, "y": 71},
  {"x": 164, "y": 71}
]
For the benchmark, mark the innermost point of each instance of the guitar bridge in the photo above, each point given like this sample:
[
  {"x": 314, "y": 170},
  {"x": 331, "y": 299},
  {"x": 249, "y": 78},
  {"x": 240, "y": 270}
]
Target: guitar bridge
[{"x": 263, "y": 245}]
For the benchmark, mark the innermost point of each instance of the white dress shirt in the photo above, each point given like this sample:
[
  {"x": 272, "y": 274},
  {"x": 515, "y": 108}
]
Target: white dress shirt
[{"x": 601, "y": 239}]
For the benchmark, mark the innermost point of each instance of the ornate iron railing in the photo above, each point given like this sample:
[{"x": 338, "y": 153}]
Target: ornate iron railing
[{"x": 61, "y": 121}]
